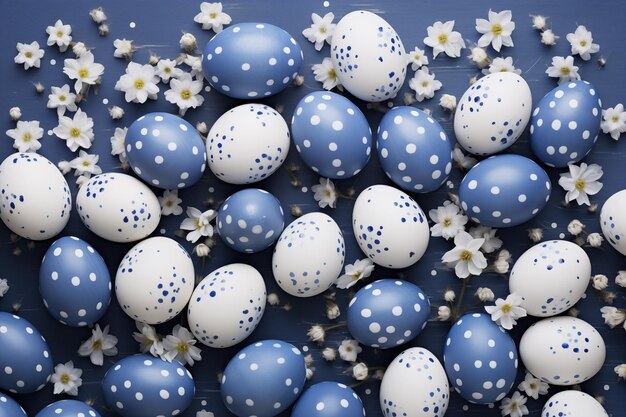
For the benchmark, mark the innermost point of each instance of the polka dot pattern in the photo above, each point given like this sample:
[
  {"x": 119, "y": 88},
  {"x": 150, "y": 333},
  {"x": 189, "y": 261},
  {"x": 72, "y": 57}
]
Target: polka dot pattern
[
  {"x": 572, "y": 404},
  {"x": 68, "y": 408},
  {"x": 10, "y": 408},
  {"x": 329, "y": 399},
  {"x": 613, "y": 221}
]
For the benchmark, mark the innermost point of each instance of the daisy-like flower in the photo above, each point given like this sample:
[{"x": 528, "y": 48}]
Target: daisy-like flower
[
  {"x": 582, "y": 43},
  {"x": 497, "y": 30},
  {"x": 62, "y": 99},
  {"x": 26, "y": 136},
  {"x": 424, "y": 84},
  {"x": 614, "y": 121},
  {"x": 4, "y": 287},
  {"x": 84, "y": 70},
  {"x": 506, "y": 312},
  {"x": 362, "y": 268},
  {"x": 166, "y": 69},
  {"x": 170, "y": 203},
  {"x": 118, "y": 143},
  {"x": 548, "y": 37},
  {"x": 449, "y": 220},
  {"x": 29, "y": 54},
  {"x": 463, "y": 161},
  {"x": 148, "y": 339},
  {"x": 325, "y": 74},
  {"x": 349, "y": 350},
  {"x": 139, "y": 83},
  {"x": 100, "y": 344},
  {"x": 581, "y": 182},
  {"x": 612, "y": 316},
  {"x": 77, "y": 132},
  {"x": 466, "y": 257},
  {"x": 325, "y": 193},
  {"x": 211, "y": 16},
  {"x": 443, "y": 38},
  {"x": 533, "y": 387},
  {"x": 563, "y": 68},
  {"x": 60, "y": 35},
  {"x": 514, "y": 406},
  {"x": 500, "y": 64},
  {"x": 417, "y": 59},
  {"x": 491, "y": 243},
  {"x": 66, "y": 378},
  {"x": 124, "y": 48},
  {"x": 321, "y": 30},
  {"x": 86, "y": 164},
  {"x": 185, "y": 93},
  {"x": 199, "y": 223},
  {"x": 180, "y": 346}
]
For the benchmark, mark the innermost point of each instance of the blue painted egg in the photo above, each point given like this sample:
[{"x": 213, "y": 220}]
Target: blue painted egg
[
  {"x": 565, "y": 123},
  {"x": 413, "y": 149},
  {"x": 25, "y": 361},
  {"x": 68, "y": 408},
  {"x": 504, "y": 191},
  {"x": 263, "y": 379},
  {"x": 250, "y": 220},
  {"x": 145, "y": 386},
  {"x": 74, "y": 282},
  {"x": 10, "y": 408},
  {"x": 480, "y": 359},
  {"x": 387, "y": 313},
  {"x": 331, "y": 135},
  {"x": 165, "y": 151},
  {"x": 251, "y": 60},
  {"x": 329, "y": 399}
]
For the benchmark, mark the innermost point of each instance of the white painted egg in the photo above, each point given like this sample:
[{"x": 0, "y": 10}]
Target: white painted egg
[
  {"x": 309, "y": 255},
  {"x": 613, "y": 221},
  {"x": 118, "y": 207},
  {"x": 550, "y": 277},
  {"x": 562, "y": 350},
  {"x": 35, "y": 198},
  {"x": 154, "y": 280},
  {"x": 390, "y": 227},
  {"x": 368, "y": 56},
  {"x": 492, "y": 113},
  {"x": 573, "y": 404},
  {"x": 227, "y": 305}
]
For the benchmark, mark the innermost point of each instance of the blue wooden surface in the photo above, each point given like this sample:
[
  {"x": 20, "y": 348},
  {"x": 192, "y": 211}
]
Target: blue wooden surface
[{"x": 159, "y": 25}]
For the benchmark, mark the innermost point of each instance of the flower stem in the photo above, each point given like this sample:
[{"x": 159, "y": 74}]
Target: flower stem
[{"x": 457, "y": 307}]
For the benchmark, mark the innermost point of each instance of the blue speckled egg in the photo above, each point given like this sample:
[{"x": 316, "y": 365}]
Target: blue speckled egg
[
  {"x": 572, "y": 403},
  {"x": 263, "y": 379},
  {"x": 565, "y": 123},
  {"x": 331, "y": 135},
  {"x": 251, "y": 60},
  {"x": 250, "y": 220},
  {"x": 10, "y": 408},
  {"x": 165, "y": 151},
  {"x": 68, "y": 408},
  {"x": 74, "y": 282},
  {"x": 504, "y": 191},
  {"x": 145, "y": 386},
  {"x": 25, "y": 360},
  {"x": 480, "y": 359},
  {"x": 613, "y": 221},
  {"x": 387, "y": 313},
  {"x": 413, "y": 149},
  {"x": 329, "y": 399}
]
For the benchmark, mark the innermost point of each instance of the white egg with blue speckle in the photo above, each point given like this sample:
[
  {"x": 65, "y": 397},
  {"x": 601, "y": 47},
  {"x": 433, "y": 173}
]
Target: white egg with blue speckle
[
  {"x": 329, "y": 399},
  {"x": 613, "y": 221},
  {"x": 572, "y": 403},
  {"x": 67, "y": 408}
]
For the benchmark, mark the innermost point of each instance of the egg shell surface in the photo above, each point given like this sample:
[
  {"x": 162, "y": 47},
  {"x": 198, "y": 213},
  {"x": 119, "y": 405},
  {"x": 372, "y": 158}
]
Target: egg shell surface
[
  {"x": 572, "y": 404},
  {"x": 329, "y": 399},
  {"x": 68, "y": 408},
  {"x": 10, "y": 408},
  {"x": 613, "y": 221}
]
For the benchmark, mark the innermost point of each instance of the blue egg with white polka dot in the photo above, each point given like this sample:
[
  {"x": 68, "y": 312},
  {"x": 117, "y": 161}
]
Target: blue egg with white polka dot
[
  {"x": 10, "y": 408},
  {"x": 68, "y": 408},
  {"x": 504, "y": 191},
  {"x": 565, "y": 124},
  {"x": 251, "y": 60},
  {"x": 145, "y": 386},
  {"x": 480, "y": 358},
  {"x": 250, "y": 220},
  {"x": 413, "y": 149},
  {"x": 388, "y": 313},
  {"x": 74, "y": 282},
  {"x": 25, "y": 360},
  {"x": 263, "y": 379},
  {"x": 165, "y": 151},
  {"x": 329, "y": 399},
  {"x": 331, "y": 135}
]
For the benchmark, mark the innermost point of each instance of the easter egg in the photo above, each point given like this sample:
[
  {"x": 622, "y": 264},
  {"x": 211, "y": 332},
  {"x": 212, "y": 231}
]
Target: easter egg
[
  {"x": 165, "y": 150},
  {"x": 250, "y": 220},
  {"x": 10, "y": 408},
  {"x": 118, "y": 207},
  {"x": 251, "y": 60},
  {"x": 504, "y": 191},
  {"x": 613, "y": 221},
  {"x": 247, "y": 144},
  {"x": 331, "y": 135},
  {"x": 263, "y": 379},
  {"x": 387, "y": 313},
  {"x": 413, "y": 150},
  {"x": 309, "y": 255},
  {"x": 390, "y": 227},
  {"x": 155, "y": 280},
  {"x": 329, "y": 399},
  {"x": 414, "y": 385},
  {"x": 573, "y": 404},
  {"x": 145, "y": 386},
  {"x": 74, "y": 282},
  {"x": 227, "y": 305},
  {"x": 562, "y": 350},
  {"x": 480, "y": 359},
  {"x": 25, "y": 361},
  {"x": 368, "y": 56},
  {"x": 492, "y": 113},
  {"x": 565, "y": 124},
  {"x": 550, "y": 277},
  {"x": 35, "y": 198},
  {"x": 68, "y": 408}
]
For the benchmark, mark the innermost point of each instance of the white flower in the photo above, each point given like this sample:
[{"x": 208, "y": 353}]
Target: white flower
[
  {"x": 449, "y": 220},
  {"x": 582, "y": 43},
  {"x": 497, "y": 30},
  {"x": 116, "y": 112},
  {"x": 463, "y": 161},
  {"x": 535, "y": 234},
  {"x": 79, "y": 49},
  {"x": 139, "y": 83},
  {"x": 620, "y": 370},
  {"x": 195, "y": 64},
  {"x": 449, "y": 295},
  {"x": 581, "y": 182},
  {"x": 77, "y": 132},
  {"x": 514, "y": 406},
  {"x": 491, "y": 243},
  {"x": 442, "y": 38},
  {"x": 424, "y": 84},
  {"x": 170, "y": 203},
  {"x": 4, "y": 287},
  {"x": 316, "y": 333},
  {"x": 15, "y": 113},
  {"x": 148, "y": 339},
  {"x": 444, "y": 313},
  {"x": 325, "y": 74},
  {"x": 211, "y": 16},
  {"x": 479, "y": 57},
  {"x": 500, "y": 64},
  {"x": 86, "y": 164},
  {"x": 201, "y": 250},
  {"x": 360, "y": 372},
  {"x": 324, "y": 193},
  {"x": 613, "y": 316},
  {"x": 187, "y": 42},
  {"x": 321, "y": 30},
  {"x": 448, "y": 102},
  {"x": 548, "y": 37},
  {"x": 501, "y": 264},
  {"x": 620, "y": 279},
  {"x": 26, "y": 136},
  {"x": 273, "y": 299},
  {"x": 595, "y": 240},
  {"x": 466, "y": 257},
  {"x": 329, "y": 354},
  {"x": 98, "y": 15},
  {"x": 82, "y": 180},
  {"x": 539, "y": 22},
  {"x": 614, "y": 121},
  {"x": 64, "y": 167},
  {"x": 309, "y": 373},
  {"x": 180, "y": 345},
  {"x": 563, "y": 69},
  {"x": 506, "y": 312},
  {"x": 199, "y": 223},
  {"x": 99, "y": 344},
  {"x": 124, "y": 48},
  {"x": 118, "y": 143},
  {"x": 332, "y": 311},
  {"x": 185, "y": 93},
  {"x": 485, "y": 294},
  {"x": 533, "y": 387},
  {"x": 575, "y": 227},
  {"x": 29, "y": 54},
  {"x": 416, "y": 58},
  {"x": 349, "y": 350},
  {"x": 362, "y": 268},
  {"x": 66, "y": 378},
  {"x": 83, "y": 70},
  {"x": 166, "y": 69},
  {"x": 62, "y": 99},
  {"x": 599, "y": 282},
  {"x": 60, "y": 35}
]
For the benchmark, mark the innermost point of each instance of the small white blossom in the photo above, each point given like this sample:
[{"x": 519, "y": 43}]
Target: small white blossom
[
  {"x": 118, "y": 143},
  {"x": 349, "y": 350},
  {"x": 497, "y": 30},
  {"x": 316, "y": 333},
  {"x": 448, "y": 219},
  {"x": 360, "y": 372},
  {"x": 100, "y": 344},
  {"x": 309, "y": 373},
  {"x": 180, "y": 346},
  {"x": 533, "y": 387},
  {"x": 211, "y": 16},
  {"x": 582, "y": 43},
  {"x": 463, "y": 161},
  {"x": 332, "y": 311},
  {"x": 466, "y": 257},
  {"x": 15, "y": 113},
  {"x": 514, "y": 406},
  {"x": 66, "y": 379},
  {"x": 479, "y": 57},
  {"x": 103, "y": 29},
  {"x": 98, "y": 15},
  {"x": 166, "y": 69},
  {"x": 539, "y": 22},
  {"x": 614, "y": 121},
  {"x": 443, "y": 38},
  {"x": 77, "y": 132},
  {"x": 501, "y": 264},
  {"x": 148, "y": 339},
  {"x": 321, "y": 30},
  {"x": 581, "y": 182},
  {"x": 188, "y": 42},
  {"x": 535, "y": 235},
  {"x": 325, "y": 74},
  {"x": 170, "y": 203},
  {"x": 324, "y": 193},
  {"x": 595, "y": 240},
  {"x": 362, "y": 268},
  {"x": 549, "y": 38},
  {"x": 329, "y": 354},
  {"x": 29, "y": 54},
  {"x": 60, "y": 35},
  {"x": 64, "y": 167},
  {"x": 417, "y": 59},
  {"x": 424, "y": 84},
  {"x": 82, "y": 180},
  {"x": 620, "y": 370},
  {"x": 612, "y": 316},
  {"x": 620, "y": 279},
  {"x": 139, "y": 83},
  {"x": 26, "y": 136},
  {"x": 500, "y": 64},
  {"x": 449, "y": 296},
  {"x": 564, "y": 69},
  {"x": 448, "y": 102},
  {"x": 116, "y": 112},
  {"x": 492, "y": 243},
  {"x": 485, "y": 294},
  {"x": 4, "y": 287},
  {"x": 201, "y": 250},
  {"x": 124, "y": 48},
  {"x": 273, "y": 299},
  {"x": 62, "y": 99},
  {"x": 575, "y": 227},
  {"x": 185, "y": 93},
  {"x": 507, "y": 311},
  {"x": 195, "y": 64},
  {"x": 599, "y": 282},
  {"x": 199, "y": 223},
  {"x": 39, "y": 87},
  {"x": 86, "y": 164},
  {"x": 83, "y": 70},
  {"x": 79, "y": 49},
  {"x": 444, "y": 313}
]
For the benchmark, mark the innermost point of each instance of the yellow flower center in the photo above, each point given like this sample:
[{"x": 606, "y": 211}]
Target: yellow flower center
[
  {"x": 504, "y": 70},
  {"x": 26, "y": 137},
  {"x": 580, "y": 184},
  {"x": 506, "y": 309},
  {"x": 323, "y": 29},
  {"x": 496, "y": 29},
  {"x": 169, "y": 203},
  {"x": 185, "y": 94},
  {"x": 97, "y": 345},
  {"x": 183, "y": 347},
  {"x": 443, "y": 38},
  {"x": 29, "y": 54},
  {"x": 147, "y": 340},
  {"x": 513, "y": 406},
  {"x": 199, "y": 224},
  {"x": 86, "y": 164},
  {"x": 532, "y": 386},
  {"x": 139, "y": 84},
  {"x": 213, "y": 15},
  {"x": 348, "y": 348},
  {"x": 60, "y": 34},
  {"x": 565, "y": 70},
  {"x": 466, "y": 255},
  {"x": 83, "y": 73},
  {"x": 583, "y": 43},
  {"x": 65, "y": 379},
  {"x": 74, "y": 132},
  {"x": 447, "y": 222},
  {"x": 332, "y": 74},
  {"x": 615, "y": 119},
  {"x": 356, "y": 276},
  {"x": 424, "y": 84},
  {"x": 418, "y": 57},
  {"x": 167, "y": 70},
  {"x": 62, "y": 98}
]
